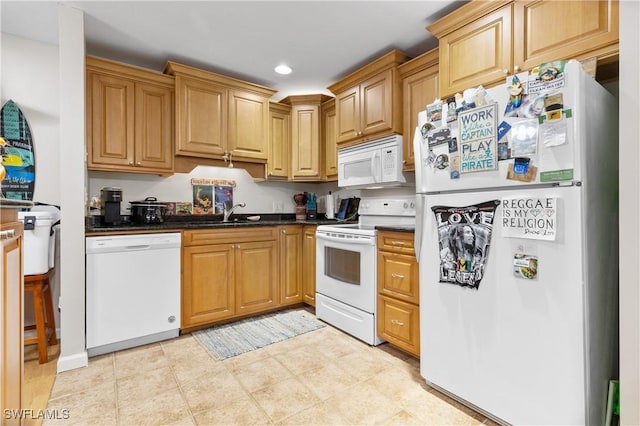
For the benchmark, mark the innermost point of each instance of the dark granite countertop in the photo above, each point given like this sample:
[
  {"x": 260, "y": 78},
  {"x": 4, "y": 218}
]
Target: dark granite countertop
[
  {"x": 396, "y": 228},
  {"x": 178, "y": 223}
]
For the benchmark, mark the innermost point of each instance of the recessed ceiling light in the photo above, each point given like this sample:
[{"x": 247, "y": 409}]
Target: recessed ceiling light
[{"x": 283, "y": 69}]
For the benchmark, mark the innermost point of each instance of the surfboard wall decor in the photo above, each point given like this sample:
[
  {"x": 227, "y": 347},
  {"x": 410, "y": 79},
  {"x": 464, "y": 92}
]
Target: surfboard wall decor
[{"x": 16, "y": 148}]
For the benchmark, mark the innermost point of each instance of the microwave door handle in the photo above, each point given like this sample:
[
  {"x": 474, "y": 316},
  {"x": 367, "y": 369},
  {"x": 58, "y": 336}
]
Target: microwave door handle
[{"x": 374, "y": 172}]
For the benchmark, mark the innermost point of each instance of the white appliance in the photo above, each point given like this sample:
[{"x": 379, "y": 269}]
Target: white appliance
[
  {"x": 39, "y": 240},
  {"x": 374, "y": 164},
  {"x": 132, "y": 290},
  {"x": 529, "y": 351},
  {"x": 346, "y": 271}
]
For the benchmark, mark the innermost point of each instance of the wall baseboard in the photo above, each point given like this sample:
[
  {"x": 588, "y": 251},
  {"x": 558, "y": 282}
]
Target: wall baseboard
[{"x": 71, "y": 362}]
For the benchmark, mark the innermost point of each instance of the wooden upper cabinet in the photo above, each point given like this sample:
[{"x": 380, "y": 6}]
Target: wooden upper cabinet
[
  {"x": 279, "y": 141},
  {"x": 329, "y": 135},
  {"x": 129, "y": 118},
  {"x": 201, "y": 125},
  {"x": 218, "y": 116},
  {"x": 369, "y": 101},
  {"x": 420, "y": 87},
  {"x": 248, "y": 125},
  {"x": 307, "y": 161},
  {"x": 550, "y": 30},
  {"x": 483, "y": 42}
]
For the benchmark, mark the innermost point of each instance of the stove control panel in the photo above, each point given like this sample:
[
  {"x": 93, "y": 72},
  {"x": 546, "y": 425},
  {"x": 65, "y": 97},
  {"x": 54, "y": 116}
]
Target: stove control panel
[{"x": 387, "y": 207}]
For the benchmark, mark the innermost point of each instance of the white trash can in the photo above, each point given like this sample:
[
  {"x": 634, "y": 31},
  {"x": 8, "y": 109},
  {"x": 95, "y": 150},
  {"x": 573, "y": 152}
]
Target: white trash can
[{"x": 39, "y": 241}]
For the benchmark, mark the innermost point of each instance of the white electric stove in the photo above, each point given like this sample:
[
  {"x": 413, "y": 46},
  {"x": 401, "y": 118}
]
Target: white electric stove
[{"x": 346, "y": 265}]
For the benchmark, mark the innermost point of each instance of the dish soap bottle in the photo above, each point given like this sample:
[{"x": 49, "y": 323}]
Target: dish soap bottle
[{"x": 312, "y": 207}]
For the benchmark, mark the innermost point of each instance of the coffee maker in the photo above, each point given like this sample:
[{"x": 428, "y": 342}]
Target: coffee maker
[{"x": 110, "y": 199}]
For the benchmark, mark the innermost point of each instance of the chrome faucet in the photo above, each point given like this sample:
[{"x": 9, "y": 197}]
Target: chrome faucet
[{"x": 228, "y": 213}]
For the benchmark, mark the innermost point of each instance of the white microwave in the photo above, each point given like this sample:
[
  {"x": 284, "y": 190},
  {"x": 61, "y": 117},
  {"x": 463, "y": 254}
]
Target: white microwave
[{"x": 374, "y": 164}]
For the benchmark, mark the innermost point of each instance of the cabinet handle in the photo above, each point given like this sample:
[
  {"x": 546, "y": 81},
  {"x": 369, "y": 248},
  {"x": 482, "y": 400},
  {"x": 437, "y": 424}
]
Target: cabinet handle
[
  {"x": 394, "y": 275},
  {"x": 5, "y": 235},
  {"x": 396, "y": 322},
  {"x": 397, "y": 243}
]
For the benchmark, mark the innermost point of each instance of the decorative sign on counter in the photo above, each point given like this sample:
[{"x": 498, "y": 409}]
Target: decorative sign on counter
[
  {"x": 211, "y": 195},
  {"x": 532, "y": 218}
]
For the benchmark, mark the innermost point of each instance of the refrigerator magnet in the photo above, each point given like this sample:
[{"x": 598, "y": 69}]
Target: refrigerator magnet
[
  {"x": 528, "y": 176},
  {"x": 442, "y": 161},
  {"x": 525, "y": 266}
]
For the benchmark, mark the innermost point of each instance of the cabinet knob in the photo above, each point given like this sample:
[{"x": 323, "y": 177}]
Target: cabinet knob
[
  {"x": 138, "y": 164},
  {"x": 506, "y": 71},
  {"x": 396, "y": 322},
  {"x": 131, "y": 163},
  {"x": 284, "y": 231},
  {"x": 516, "y": 68}
]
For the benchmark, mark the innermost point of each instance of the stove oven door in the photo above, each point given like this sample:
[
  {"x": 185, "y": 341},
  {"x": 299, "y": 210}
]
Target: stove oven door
[{"x": 346, "y": 268}]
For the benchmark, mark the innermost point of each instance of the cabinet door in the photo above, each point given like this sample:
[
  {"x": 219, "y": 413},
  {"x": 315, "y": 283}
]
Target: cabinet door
[
  {"x": 376, "y": 103},
  {"x": 154, "y": 127},
  {"x": 478, "y": 53},
  {"x": 398, "y": 276},
  {"x": 256, "y": 272},
  {"x": 418, "y": 90},
  {"x": 309, "y": 265},
  {"x": 207, "y": 284},
  {"x": 279, "y": 144},
  {"x": 399, "y": 323},
  {"x": 329, "y": 136},
  {"x": 348, "y": 114},
  {"x": 248, "y": 128},
  {"x": 11, "y": 317},
  {"x": 553, "y": 30},
  {"x": 199, "y": 114},
  {"x": 112, "y": 120},
  {"x": 291, "y": 264},
  {"x": 305, "y": 142}
]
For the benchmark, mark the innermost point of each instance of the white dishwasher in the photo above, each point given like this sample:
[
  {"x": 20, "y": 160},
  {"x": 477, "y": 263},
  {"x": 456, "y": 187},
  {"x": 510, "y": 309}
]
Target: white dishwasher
[{"x": 132, "y": 290}]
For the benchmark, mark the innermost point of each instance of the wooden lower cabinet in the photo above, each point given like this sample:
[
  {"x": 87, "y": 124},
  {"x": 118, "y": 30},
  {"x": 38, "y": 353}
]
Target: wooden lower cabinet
[
  {"x": 11, "y": 315},
  {"x": 291, "y": 265},
  {"x": 256, "y": 267},
  {"x": 309, "y": 265},
  {"x": 228, "y": 273},
  {"x": 398, "y": 318}
]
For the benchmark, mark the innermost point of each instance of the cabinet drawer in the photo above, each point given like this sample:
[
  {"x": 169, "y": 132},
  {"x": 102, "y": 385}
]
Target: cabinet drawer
[
  {"x": 399, "y": 324},
  {"x": 398, "y": 242},
  {"x": 398, "y": 276},
  {"x": 230, "y": 235}
]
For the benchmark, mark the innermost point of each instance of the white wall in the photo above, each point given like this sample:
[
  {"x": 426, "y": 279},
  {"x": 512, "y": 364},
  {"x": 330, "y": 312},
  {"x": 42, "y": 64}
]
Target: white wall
[
  {"x": 30, "y": 77},
  {"x": 629, "y": 209}
]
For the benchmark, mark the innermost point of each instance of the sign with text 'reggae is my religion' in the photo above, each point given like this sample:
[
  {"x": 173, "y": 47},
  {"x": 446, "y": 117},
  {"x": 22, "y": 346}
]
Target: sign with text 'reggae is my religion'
[
  {"x": 478, "y": 139},
  {"x": 531, "y": 218}
]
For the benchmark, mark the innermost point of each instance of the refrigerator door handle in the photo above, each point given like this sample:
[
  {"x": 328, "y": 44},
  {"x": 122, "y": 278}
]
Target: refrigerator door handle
[
  {"x": 417, "y": 242},
  {"x": 417, "y": 152}
]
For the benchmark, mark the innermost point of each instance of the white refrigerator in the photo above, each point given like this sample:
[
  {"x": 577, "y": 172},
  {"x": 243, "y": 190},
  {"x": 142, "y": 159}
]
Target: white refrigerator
[{"x": 523, "y": 327}]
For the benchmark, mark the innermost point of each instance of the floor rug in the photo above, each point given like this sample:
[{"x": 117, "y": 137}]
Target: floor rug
[{"x": 228, "y": 340}]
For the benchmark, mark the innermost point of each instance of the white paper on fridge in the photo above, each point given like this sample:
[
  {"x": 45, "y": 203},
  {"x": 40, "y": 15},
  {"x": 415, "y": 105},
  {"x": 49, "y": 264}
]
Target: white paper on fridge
[{"x": 532, "y": 218}]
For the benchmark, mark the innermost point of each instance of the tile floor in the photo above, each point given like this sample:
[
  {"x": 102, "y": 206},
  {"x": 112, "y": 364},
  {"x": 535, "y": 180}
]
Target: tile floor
[{"x": 323, "y": 377}]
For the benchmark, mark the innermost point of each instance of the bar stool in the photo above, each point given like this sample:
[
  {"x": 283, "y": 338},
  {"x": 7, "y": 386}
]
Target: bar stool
[{"x": 38, "y": 286}]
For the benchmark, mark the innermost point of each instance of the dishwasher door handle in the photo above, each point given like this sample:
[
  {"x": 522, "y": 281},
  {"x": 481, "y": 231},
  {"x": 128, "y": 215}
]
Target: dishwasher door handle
[{"x": 138, "y": 247}]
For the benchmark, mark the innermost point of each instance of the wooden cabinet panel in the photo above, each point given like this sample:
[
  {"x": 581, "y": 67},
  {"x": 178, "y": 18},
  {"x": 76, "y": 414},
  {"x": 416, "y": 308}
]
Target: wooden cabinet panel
[
  {"x": 248, "y": 118},
  {"x": 309, "y": 265},
  {"x": 129, "y": 118},
  {"x": 112, "y": 120},
  {"x": 399, "y": 323},
  {"x": 154, "y": 126},
  {"x": 291, "y": 252},
  {"x": 208, "y": 290},
  {"x": 550, "y": 30},
  {"x": 199, "y": 116},
  {"x": 376, "y": 103},
  {"x": 305, "y": 137},
  {"x": 348, "y": 119},
  {"x": 230, "y": 235},
  {"x": 478, "y": 53},
  {"x": 329, "y": 135},
  {"x": 11, "y": 315},
  {"x": 398, "y": 319},
  {"x": 256, "y": 276},
  {"x": 420, "y": 87},
  {"x": 279, "y": 141}
]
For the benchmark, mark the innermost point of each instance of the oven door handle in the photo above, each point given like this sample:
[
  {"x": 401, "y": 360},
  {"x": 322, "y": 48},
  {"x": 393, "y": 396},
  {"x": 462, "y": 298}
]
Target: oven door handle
[{"x": 358, "y": 241}]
